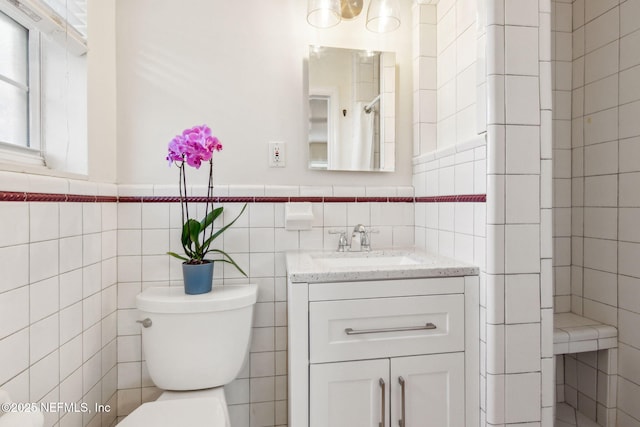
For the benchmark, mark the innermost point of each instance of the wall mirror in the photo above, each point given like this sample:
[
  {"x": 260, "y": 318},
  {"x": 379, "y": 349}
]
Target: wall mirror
[{"x": 352, "y": 96}]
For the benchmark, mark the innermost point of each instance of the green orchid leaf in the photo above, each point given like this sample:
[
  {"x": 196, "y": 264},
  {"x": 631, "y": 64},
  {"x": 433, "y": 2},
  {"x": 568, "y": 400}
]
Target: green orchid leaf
[
  {"x": 185, "y": 236},
  {"x": 173, "y": 254},
  {"x": 212, "y": 216},
  {"x": 222, "y": 230},
  {"x": 193, "y": 231},
  {"x": 229, "y": 260},
  {"x": 234, "y": 264}
]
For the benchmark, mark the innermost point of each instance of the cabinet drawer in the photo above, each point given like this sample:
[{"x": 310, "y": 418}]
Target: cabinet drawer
[{"x": 385, "y": 327}]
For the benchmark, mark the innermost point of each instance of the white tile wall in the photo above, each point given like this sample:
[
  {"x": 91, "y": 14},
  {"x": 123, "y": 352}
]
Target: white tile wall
[
  {"x": 56, "y": 299},
  {"x": 519, "y": 248},
  {"x": 562, "y": 84},
  {"x": 425, "y": 74},
  {"x": 458, "y": 82},
  {"x": 257, "y": 241},
  {"x": 452, "y": 229},
  {"x": 603, "y": 166},
  {"x": 589, "y": 382}
]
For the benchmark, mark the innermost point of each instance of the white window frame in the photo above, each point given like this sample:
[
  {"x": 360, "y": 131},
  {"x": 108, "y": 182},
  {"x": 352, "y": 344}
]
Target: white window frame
[
  {"x": 33, "y": 154},
  {"x": 41, "y": 20}
]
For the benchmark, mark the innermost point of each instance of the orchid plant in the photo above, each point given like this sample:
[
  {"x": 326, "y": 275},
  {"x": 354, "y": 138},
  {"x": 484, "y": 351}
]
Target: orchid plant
[{"x": 193, "y": 147}]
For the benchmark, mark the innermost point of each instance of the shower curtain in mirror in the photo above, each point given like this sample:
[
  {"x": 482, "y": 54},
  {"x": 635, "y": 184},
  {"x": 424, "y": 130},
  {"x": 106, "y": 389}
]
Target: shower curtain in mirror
[{"x": 361, "y": 156}]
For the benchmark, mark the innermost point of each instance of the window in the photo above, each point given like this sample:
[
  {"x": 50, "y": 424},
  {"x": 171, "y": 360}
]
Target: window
[
  {"x": 43, "y": 84},
  {"x": 16, "y": 85}
]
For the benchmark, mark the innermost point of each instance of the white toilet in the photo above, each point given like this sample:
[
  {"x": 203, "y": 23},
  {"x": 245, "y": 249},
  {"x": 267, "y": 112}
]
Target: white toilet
[{"x": 194, "y": 345}]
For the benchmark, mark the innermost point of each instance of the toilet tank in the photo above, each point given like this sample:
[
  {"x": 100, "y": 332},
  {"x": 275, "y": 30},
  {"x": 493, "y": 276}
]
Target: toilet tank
[{"x": 196, "y": 341}]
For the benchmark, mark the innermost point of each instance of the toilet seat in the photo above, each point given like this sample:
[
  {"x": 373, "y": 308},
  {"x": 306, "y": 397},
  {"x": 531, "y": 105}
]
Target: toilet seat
[{"x": 193, "y": 412}]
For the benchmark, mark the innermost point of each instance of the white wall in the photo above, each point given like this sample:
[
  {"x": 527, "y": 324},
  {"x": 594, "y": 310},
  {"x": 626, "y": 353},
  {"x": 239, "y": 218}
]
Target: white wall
[
  {"x": 240, "y": 67},
  {"x": 64, "y": 108},
  {"x": 101, "y": 91}
]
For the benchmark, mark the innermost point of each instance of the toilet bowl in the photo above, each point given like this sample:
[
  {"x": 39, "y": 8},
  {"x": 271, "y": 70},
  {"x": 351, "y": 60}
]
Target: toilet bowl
[
  {"x": 183, "y": 412},
  {"x": 194, "y": 345}
]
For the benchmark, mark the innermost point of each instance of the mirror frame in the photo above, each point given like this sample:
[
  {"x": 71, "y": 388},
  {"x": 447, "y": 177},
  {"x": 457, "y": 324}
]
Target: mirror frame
[{"x": 385, "y": 108}]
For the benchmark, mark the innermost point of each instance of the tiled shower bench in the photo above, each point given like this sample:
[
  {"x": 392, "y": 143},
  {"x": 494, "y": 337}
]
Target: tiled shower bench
[
  {"x": 576, "y": 334},
  {"x": 572, "y": 334}
]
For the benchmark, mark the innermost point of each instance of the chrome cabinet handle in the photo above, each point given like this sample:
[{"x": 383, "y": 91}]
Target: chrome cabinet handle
[
  {"x": 351, "y": 331},
  {"x": 402, "y": 422},
  {"x": 382, "y": 386}
]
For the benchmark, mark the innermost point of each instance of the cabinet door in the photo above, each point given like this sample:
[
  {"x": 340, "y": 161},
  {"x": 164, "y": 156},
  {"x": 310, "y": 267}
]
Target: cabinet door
[
  {"x": 433, "y": 390},
  {"x": 349, "y": 394}
]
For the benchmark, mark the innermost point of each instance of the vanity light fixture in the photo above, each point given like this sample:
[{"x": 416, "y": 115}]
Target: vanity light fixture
[
  {"x": 382, "y": 16},
  {"x": 323, "y": 13},
  {"x": 350, "y": 9}
]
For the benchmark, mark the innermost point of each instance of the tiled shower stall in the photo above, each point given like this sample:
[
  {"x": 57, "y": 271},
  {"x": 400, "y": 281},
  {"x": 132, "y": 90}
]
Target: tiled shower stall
[{"x": 596, "y": 156}]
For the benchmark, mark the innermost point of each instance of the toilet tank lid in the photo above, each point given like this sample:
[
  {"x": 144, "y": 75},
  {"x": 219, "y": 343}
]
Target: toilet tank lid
[{"x": 172, "y": 299}]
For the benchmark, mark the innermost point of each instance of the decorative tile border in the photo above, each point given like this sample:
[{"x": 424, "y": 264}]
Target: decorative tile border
[
  {"x": 13, "y": 197},
  {"x": 461, "y": 198},
  {"x": 266, "y": 199},
  {"x": 9, "y": 196}
]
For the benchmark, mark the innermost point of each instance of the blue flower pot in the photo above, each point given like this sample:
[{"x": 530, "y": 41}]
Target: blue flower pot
[{"x": 198, "y": 278}]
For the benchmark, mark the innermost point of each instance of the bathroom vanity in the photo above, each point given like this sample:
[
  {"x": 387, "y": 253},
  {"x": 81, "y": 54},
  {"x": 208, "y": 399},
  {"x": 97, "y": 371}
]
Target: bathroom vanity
[{"x": 384, "y": 338}]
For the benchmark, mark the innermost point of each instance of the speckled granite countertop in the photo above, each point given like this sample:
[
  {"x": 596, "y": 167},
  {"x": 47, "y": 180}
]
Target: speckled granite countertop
[{"x": 332, "y": 266}]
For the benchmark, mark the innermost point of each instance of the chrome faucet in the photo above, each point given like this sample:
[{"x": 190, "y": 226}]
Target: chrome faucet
[{"x": 360, "y": 243}]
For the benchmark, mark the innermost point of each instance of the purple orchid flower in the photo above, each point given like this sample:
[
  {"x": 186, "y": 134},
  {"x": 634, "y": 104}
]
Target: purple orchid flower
[{"x": 194, "y": 146}]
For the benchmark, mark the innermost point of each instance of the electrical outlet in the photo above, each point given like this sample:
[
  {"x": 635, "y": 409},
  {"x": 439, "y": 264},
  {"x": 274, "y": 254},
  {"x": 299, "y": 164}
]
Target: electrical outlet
[{"x": 276, "y": 154}]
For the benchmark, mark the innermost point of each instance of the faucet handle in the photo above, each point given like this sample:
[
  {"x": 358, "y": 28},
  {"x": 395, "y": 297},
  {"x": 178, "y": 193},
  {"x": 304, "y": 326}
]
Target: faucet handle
[
  {"x": 366, "y": 241},
  {"x": 343, "y": 244}
]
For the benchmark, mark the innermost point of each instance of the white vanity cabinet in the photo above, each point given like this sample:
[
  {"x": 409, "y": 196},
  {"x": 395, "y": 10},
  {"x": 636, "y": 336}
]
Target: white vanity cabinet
[
  {"x": 419, "y": 390},
  {"x": 379, "y": 353}
]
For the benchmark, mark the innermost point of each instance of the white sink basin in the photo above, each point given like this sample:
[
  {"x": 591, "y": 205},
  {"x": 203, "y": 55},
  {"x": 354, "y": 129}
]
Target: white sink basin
[{"x": 355, "y": 260}]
